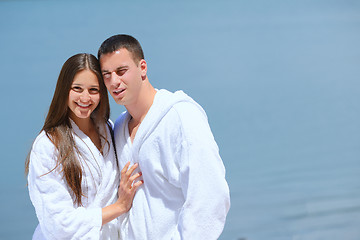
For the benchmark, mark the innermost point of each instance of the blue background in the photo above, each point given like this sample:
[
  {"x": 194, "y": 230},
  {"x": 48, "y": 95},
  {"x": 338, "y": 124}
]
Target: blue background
[{"x": 279, "y": 81}]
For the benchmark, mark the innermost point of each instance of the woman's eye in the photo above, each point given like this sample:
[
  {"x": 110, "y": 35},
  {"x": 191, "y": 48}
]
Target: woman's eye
[
  {"x": 77, "y": 89},
  {"x": 94, "y": 90}
]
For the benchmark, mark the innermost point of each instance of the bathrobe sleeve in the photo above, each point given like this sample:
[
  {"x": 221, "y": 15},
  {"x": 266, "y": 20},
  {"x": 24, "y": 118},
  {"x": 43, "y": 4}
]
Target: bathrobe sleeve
[
  {"x": 202, "y": 176},
  {"x": 58, "y": 217}
]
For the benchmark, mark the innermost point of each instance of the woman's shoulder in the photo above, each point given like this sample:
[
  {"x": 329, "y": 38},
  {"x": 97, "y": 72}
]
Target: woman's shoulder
[
  {"x": 42, "y": 144},
  {"x": 43, "y": 154}
]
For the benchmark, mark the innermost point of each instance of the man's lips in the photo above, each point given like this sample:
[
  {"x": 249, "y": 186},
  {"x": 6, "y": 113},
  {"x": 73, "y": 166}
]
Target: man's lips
[{"x": 118, "y": 91}]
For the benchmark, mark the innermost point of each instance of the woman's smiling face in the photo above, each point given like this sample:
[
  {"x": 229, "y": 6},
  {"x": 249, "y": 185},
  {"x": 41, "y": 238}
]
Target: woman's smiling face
[{"x": 84, "y": 95}]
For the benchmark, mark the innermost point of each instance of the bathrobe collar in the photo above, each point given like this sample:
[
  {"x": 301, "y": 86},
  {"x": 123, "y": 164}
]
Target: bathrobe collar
[
  {"x": 163, "y": 102},
  {"x": 85, "y": 138}
]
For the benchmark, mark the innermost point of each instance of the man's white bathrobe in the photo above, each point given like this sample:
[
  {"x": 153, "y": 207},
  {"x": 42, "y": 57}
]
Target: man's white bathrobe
[
  {"x": 185, "y": 194},
  {"x": 58, "y": 217}
]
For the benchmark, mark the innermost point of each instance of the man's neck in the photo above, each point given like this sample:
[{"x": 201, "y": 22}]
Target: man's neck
[{"x": 139, "y": 109}]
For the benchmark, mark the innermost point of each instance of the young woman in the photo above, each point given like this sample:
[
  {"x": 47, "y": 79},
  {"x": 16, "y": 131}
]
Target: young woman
[{"x": 73, "y": 174}]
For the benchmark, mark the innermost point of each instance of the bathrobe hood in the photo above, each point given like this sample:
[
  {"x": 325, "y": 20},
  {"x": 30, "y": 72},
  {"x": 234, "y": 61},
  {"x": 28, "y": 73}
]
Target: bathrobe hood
[{"x": 158, "y": 111}]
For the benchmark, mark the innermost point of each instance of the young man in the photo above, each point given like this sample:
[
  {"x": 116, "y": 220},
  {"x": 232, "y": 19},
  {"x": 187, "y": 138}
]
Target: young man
[{"x": 185, "y": 194}]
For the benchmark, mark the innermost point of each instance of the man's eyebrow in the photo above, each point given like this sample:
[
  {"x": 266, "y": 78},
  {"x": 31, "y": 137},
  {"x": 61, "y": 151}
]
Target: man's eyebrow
[
  {"x": 117, "y": 69},
  {"x": 120, "y": 68}
]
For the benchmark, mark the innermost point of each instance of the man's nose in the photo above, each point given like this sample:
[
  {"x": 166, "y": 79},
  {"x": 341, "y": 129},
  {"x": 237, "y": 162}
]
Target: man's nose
[{"x": 115, "y": 79}]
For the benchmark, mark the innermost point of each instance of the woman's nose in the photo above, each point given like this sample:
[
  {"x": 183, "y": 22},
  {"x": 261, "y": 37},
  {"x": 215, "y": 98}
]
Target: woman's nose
[{"x": 85, "y": 96}]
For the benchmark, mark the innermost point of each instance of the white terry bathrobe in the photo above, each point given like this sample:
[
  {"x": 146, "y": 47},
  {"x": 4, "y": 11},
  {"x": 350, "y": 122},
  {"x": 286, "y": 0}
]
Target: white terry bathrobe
[
  {"x": 58, "y": 217},
  {"x": 185, "y": 194}
]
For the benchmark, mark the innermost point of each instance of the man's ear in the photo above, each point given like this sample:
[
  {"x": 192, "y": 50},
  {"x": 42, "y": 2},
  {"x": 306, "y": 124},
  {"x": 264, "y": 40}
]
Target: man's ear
[{"x": 143, "y": 67}]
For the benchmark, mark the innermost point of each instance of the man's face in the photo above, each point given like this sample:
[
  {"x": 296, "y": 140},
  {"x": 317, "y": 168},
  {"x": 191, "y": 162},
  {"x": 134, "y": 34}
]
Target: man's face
[{"x": 123, "y": 76}]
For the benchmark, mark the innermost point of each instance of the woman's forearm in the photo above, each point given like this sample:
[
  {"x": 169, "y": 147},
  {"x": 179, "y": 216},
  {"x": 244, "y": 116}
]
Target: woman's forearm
[
  {"x": 126, "y": 192},
  {"x": 111, "y": 212}
]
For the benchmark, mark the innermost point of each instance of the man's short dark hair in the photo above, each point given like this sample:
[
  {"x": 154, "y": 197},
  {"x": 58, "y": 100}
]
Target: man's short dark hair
[{"x": 119, "y": 41}]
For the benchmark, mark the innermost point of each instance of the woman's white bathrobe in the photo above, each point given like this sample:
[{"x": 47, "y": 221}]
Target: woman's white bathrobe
[
  {"x": 50, "y": 195},
  {"x": 185, "y": 194}
]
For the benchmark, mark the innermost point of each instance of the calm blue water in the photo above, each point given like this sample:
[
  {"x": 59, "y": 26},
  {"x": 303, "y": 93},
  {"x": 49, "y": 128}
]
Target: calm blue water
[{"x": 278, "y": 79}]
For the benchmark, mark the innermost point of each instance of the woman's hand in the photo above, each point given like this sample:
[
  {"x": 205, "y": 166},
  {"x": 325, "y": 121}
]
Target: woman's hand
[{"x": 129, "y": 183}]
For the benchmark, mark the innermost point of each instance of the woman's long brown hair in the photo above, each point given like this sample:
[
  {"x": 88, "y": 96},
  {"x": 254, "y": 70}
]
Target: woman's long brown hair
[{"x": 57, "y": 124}]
